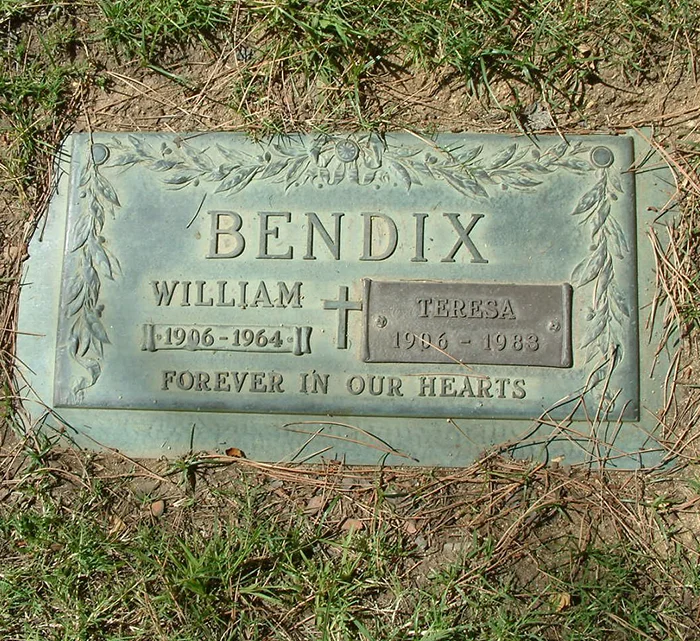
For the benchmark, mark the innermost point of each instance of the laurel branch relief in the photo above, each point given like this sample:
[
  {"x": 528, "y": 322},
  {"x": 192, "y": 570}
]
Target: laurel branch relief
[{"x": 366, "y": 161}]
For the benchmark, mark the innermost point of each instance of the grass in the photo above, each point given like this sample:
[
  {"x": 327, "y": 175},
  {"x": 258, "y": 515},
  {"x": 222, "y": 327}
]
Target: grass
[
  {"x": 394, "y": 555},
  {"x": 334, "y": 55},
  {"x": 96, "y": 565},
  {"x": 147, "y": 29},
  {"x": 38, "y": 83}
]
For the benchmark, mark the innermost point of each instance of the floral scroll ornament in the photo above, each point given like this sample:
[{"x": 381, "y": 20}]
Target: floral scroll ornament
[{"x": 325, "y": 161}]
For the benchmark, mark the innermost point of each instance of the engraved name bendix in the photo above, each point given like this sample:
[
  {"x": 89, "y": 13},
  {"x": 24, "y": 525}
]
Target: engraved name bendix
[{"x": 272, "y": 236}]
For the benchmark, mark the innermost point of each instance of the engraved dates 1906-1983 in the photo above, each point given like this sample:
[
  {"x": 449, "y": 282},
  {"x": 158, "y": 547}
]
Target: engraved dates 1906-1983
[{"x": 442, "y": 322}]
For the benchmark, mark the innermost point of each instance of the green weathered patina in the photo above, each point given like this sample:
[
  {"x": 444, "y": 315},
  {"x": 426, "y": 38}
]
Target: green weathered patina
[{"x": 377, "y": 298}]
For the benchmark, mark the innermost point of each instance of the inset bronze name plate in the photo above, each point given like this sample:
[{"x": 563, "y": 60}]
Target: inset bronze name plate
[{"x": 455, "y": 322}]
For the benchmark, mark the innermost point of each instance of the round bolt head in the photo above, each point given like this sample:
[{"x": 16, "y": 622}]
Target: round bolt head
[
  {"x": 100, "y": 153},
  {"x": 602, "y": 157},
  {"x": 347, "y": 150}
]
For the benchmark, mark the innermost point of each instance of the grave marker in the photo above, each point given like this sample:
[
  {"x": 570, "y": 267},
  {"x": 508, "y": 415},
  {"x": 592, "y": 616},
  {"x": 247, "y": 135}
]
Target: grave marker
[{"x": 398, "y": 298}]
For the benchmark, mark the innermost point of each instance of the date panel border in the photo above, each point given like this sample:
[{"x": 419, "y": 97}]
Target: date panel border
[{"x": 467, "y": 323}]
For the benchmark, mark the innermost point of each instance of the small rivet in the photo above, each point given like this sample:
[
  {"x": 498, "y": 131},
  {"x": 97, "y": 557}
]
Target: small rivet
[
  {"x": 380, "y": 321},
  {"x": 554, "y": 326},
  {"x": 602, "y": 157},
  {"x": 100, "y": 153},
  {"x": 347, "y": 150}
]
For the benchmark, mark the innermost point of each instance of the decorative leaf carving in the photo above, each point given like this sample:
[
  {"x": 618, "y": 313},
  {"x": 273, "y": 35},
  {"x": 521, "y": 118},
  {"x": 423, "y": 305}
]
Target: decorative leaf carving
[
  {"x": 618, "y": 305},
  {"x": 106, "y": 190},
  {"x": 89, "y": 259},
  {"x": 601, "y": 216},
  {"x": 590, "y": 199},
  {"x": 502, "y": 157},
  {"x": 577, "y": 164},
  {"x": 81, "y": 232},
  {"x": 594, "y": 329},
  {"x": 100, "y": 260},
  {"x": 365, "y": 160},
  {"x": 588, "y": 269},
  {"x": 603, "y": 336},
  {"x": 95, "y": 326},
  {"x": 470, "y": 155}
]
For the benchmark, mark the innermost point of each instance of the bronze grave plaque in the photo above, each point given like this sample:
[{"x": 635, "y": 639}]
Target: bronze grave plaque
[{"x": 372, "y": 298}]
